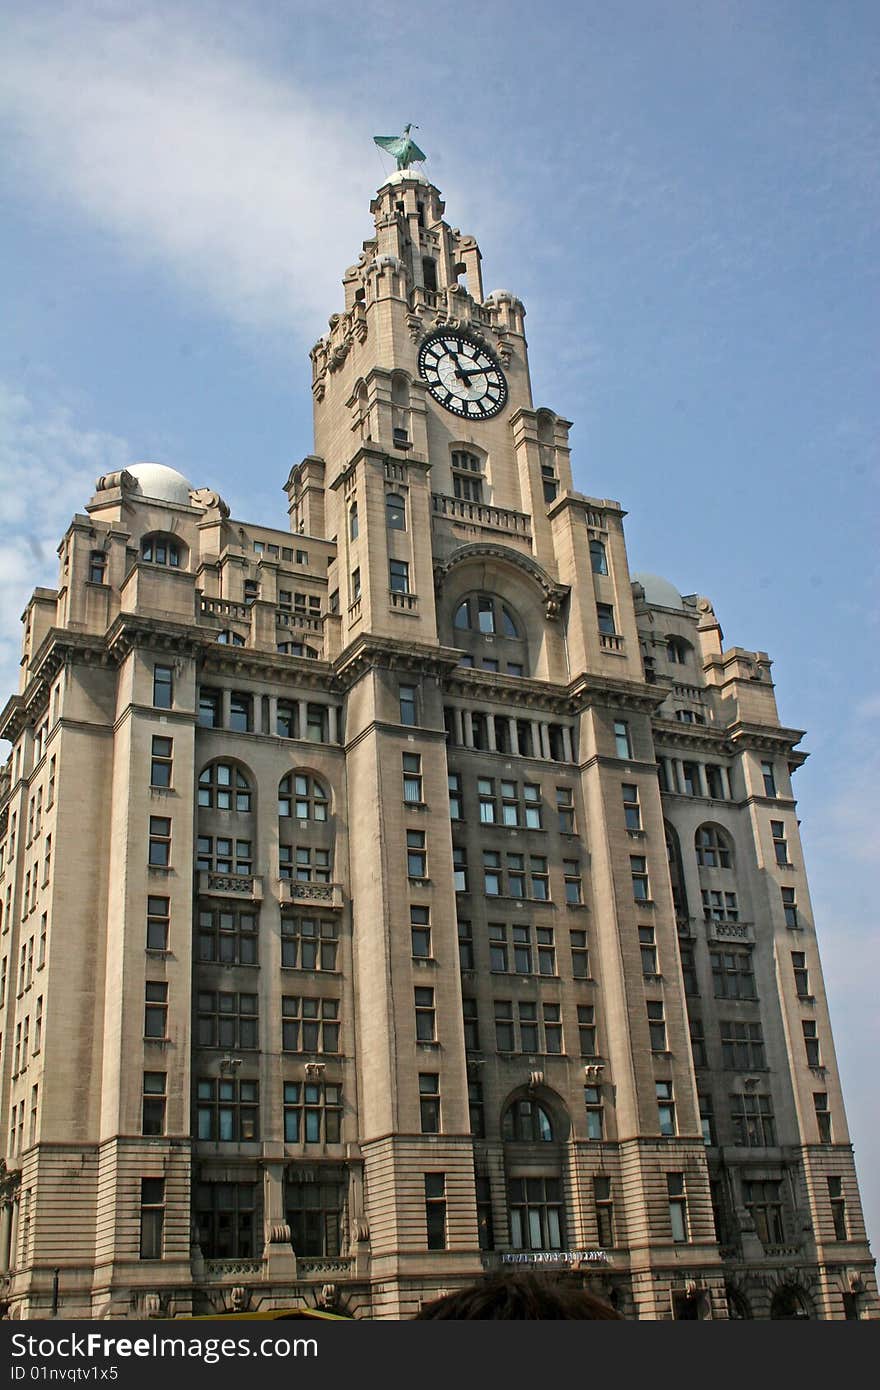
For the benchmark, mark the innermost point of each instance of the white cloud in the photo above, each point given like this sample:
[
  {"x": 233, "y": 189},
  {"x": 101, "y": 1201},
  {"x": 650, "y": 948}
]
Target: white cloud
[{"x": 48, "y": 467}]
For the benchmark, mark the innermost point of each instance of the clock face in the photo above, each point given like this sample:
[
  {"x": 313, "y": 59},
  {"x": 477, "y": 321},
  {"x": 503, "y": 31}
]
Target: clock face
[{"x": 462, "y": 376}]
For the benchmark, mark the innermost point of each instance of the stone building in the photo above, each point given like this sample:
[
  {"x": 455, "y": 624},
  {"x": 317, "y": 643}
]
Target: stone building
[{"x": 351, "y": 943}]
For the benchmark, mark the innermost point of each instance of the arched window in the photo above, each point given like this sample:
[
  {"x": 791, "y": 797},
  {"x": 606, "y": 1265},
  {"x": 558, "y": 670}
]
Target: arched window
[
  {"x": 487, "y": 614},
  {"x": 526, "y": 1120},
  {"x": 713, "y": 848},
  {"x": 395, "y": 512},
  {"x": 162, "y": 550},
  {"x": 224, "y": 787},
  {"x": 353, "y": 526},
  {"x": 296, "y": 649},
  {"x": 598, "y": 559},
  {"x": 303, "y": 797},
  {"x": 678, "y": 650},
  {"x": 228, "y": 638}
]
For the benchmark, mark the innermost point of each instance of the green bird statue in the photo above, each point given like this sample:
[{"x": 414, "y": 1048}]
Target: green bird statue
[{"x": 405, "y": 150}]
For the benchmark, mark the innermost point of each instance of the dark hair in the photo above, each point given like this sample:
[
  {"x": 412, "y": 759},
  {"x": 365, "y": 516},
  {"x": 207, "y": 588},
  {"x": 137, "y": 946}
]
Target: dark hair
[{"x": 518, "y": 1295}]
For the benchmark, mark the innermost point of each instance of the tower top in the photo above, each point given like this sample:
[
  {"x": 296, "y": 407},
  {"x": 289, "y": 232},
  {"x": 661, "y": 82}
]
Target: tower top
[{"x": 405, "y": 150}]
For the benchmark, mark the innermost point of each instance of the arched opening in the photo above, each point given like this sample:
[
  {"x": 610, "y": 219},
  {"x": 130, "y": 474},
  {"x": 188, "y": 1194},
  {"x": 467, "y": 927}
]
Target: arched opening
[
  {"x": 714, "y": 848},
  {"x": 491, "y": 633},
  {"x": 790, "y": 1302},
  {"x": 161, "y": 549},
  {"x": 678, "y": 651},
  {"x": 676, "y": 872},
  {"x": 303, "y": 797},
  {"x": 224, "y": 787}
]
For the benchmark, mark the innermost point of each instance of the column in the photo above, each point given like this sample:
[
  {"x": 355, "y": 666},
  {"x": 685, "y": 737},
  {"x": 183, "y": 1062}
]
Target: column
[
  {"x": 13, "y": 1235},
  {"x": 545, "y": 740},
  {"x": 677, "y": 774},
  {"x": 701, "y": 778},
  {"x": 226, "y": 708},
  {"x": 302, "y": 721},
  {"x": 273, "y": 714},
  {"x": 536, "y": 738},
  {"x": 725, "y": 782},
  {"x": 332, "y": 724},
  {"x": 566, "y": 743},
  {"x": 468, "y": 728},
  {"x": 512, "y": 736},
  {"x": 490, "y": 733},
  {"x": 5, "y": 1233},
  {"x": 458, "y": 723}
]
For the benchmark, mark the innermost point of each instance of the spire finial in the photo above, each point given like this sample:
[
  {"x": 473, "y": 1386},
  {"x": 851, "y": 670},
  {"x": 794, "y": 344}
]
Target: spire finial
[{"x": 405, "y": 150}]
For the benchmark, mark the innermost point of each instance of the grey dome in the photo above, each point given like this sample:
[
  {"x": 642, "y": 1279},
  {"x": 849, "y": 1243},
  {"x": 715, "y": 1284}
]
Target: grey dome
[
  {"x": 161, "y": 483},
  {"x": 659, "y": 590}
]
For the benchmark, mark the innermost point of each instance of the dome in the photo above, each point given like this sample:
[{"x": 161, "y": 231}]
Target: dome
[
  {"x": 659, "y": 590},
  {"x": 161, "y": 483},
  {"x": 406, "y": 176}
]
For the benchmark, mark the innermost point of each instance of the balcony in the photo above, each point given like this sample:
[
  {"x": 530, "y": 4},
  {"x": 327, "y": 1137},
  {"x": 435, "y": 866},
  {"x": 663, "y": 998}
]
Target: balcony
[
  {"x": 611, "y": 642},
  {"x": 483, "y": 517},
  {"x": 287, "y": 617},
  {"x": 225, "y": 609},
  {"x": 324, "y": 895},
  {"x": 214, "y": 885},
  {"x": 404, "y": 603}
]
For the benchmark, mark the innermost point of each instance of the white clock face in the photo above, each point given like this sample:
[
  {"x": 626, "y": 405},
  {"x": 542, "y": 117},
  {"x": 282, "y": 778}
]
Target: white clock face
[{"x": 462, "y": 376}]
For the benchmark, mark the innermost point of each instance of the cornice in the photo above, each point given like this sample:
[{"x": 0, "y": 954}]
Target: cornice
[{"x": 389, "y": 654}]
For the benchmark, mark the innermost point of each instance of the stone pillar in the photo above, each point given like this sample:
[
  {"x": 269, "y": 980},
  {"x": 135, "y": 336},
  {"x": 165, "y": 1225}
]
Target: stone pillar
[
  {"x": 545, "y": 740},
  {"x": 5, "y": 1234},
  {"x": 459, "y": 726},
  {"x": 332, "y": 724},
  {"x": 677, "y": 775},
  {"x": 278, "y": 1254},
  {"x": 13, "y": 1235},
  {"x": 512, "y": 734},
  {"x": 302, "y": 719},
  {"x": 225, "y": 708},
  {"x": 468, "y": 728},
  {"x": 273, "y": 714},
  {"x": 725, "y": 782},
  {"x": 490, "y": 733},
  {"x": 566, "y": 743},
  {"x": 536, "y": 738}
]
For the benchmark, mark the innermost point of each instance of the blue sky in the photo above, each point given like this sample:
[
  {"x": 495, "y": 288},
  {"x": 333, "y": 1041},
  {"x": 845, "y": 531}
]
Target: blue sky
[{"x": 686, "y": 196}]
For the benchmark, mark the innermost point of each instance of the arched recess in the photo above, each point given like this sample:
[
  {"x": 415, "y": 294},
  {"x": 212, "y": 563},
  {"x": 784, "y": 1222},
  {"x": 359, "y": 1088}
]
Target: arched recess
[
  {"x": 161, "y": 548},
  {"x": 713, "y": 847},
  {"x": 225, "y": 784},
  {"x": 791, "y": 1302},
  {"x": 535, "y": 1127},
  {"x": 676, "y": 872}
]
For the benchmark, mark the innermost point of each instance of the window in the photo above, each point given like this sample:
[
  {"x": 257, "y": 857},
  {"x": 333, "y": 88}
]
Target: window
[
  {"x": 573, "y": 885},
  {"x": 546, "y": 950},
  {"x": 713, "y": 851},
  {"x": 407, "y": 697},
  {"x": 811, "y": 1042},
  {"x": 677, "y": 650},
  {"x": 605, "y": 616},
  {"x": 535, "y": 1210},
  {"x": 838, "y": 1207},
  {"x": 498, "y": 948},
  {"x": 50, "y": 785},
  {"x": 304, "y": 864},
  {"x": 465, "y": 945},
  {"x": 435, "y": 1210},
  {"x": 41, "y": 959},
  {"x": 412, "y": 778},
  {"x": 160, "y": 841},
  {"x": 355, "y": 584},
  {"x": 586, "y": 1016},
  {"x": 160, "y": 762},
  {"x": 598, "y": 560},
  {"x": 227, "y": 934},
  {"x": 604, "y": 1211},
  {"x": 455, "y": 800},
  {"x": 459, "y": 868},
  {"x": 308, "y": 943},
  {"x": 228, "y": 638},
  {"x": 302, "y": 797},
  {"x": 416, "y": 854},
  {"x": 158, "y": 923},
  {"x": 487, "y": 614},
  {"x": 227, "y": 1020},
  {"x": 690, "y": 775},
  {"x": 222, "y": 855},
  {"x": 163, "y": 687},
  {"x": 97, "y": 567},
  {"x": 426, "y": 1015},
  {"x": 622, "y": 740},
  {"x": 313, "y": 1211},
  {"x": 595, "y": 1112},
  {"x": 656, "y": 1025},
  {"x": 225, "y": 1216},
  {"x": 665, "y": 1108},
  {"x": 580, "y": 956},
  {"x": 648, "y": 951},
  {"x": 210, "y": 707},
  {"x": 471, "y": 1025},
  {"x": 353, "y": 527},
  {"x": 223, "y": 787},
  {"x": 420, "y": 932},
  {"x": 688, "y": 969},
  {"x": 769, "y": 776},
  {"x": 639, "y": 870},
  {"x": 395, "y": 517},
  {"x": 565, "y": 810},
  {"x": 309, "y": 1025},
  {"x": 714, "y": 781},
  {"x": 539, "y": 878},
  {"x": 764, "y": 1204},
  {"x": 718, "y": 906},
  {"x": 241, "y": 712},
  {"x": 789, "y": 907},
  {"x": 160, "y": 550},
  {"x": 742, "y": 1046},
  {"x": 732, "y": 974},
  {"x": 38, "y": 1024},
  {"x": 465, "y": 485},
  {"x": 155, "y": 1009},
  {"x": 491, "y": 873},
  {"x": 429, "y": 1102},
  {"x": 483, "y": 1189},
  {"x": 398, "y": 574},
  {"x": 823, "y": 1116},
  {"x": 486, "y": 801},
  {"x": 153, "y": 1107},
  {"x": 152, "y": 1218},
  {"x": 516, "y": 875},
  {"x": 632, "y": 813},
  {"x": 752, "y": 1119},
  {"x": 228, "y": 1110},
  {"x": 677, "y": 1206},
  {"x": 801, "y": 974},
  {"x": 707, "y": 1123},
  {"x": 526, "y": 1121},
  {"x": 780, "y": 848}
]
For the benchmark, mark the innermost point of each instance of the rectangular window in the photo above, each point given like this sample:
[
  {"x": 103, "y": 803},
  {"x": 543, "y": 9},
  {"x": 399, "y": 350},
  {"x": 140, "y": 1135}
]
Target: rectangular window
[
  {"x": 483, "y": 1189},
  {"x": 565, "y": 810},
  {"x": 539, "y": 878},
  {"x": 604, "y": 1211},
  {"x": 227, "y": 934},
  {"x": 50, "y": 786},
  {"x": 426, "y": 1015},
  {"x": 632, "y": 811},
  {"x": 504, "y": 1035},
  {"x": 498, "y": 947},
  {"x": 153, "y": 1103},
  {"x": 552, "y": 1018},
  {"x": 435, "y": 1210},
  {"x": 789, "y": 907},
  {"x": 742, "y": 1046},
  {"x": 160, "y": 842},
  {"x": 665, "y": 1108},
  {"x": 573, "y": 885},
  {"x": 222, "y": 855},
  {"x": 719, "y": 906},
  {"x": 312, "y": 1112},
  {"x": 764, "y": 1204},
  {"x": 429, "y": 1102},
  {"x": 416, "y": 854},
  {"x": 465, "y": 945},
  {"x": 531, "y": 805},
  {"x": 823, "y": 1117},
  {"x": 639, "y": 870},
  {"x": 605, "y": 616},
  {"x": 314, "y": 1213},
  {"x": 160, "y": 762},
  {"x": 838, "y": 1207},
  {"x": 780, "y": 847},
  {"x": 535, "y": 1209},
  {"x": 648, "y": 951},
  {"x": 811, "y": 1042},
  {"x": 516, "y": 875},
  {"x": 355, "y": 584},
  {"x": 407, "y": 695},
  {"x": 714, "y": 782},
  {"x": 210, "y": 709},
  {"x": 459, "y": 868},
  {"x": 155, "y": 1009},
  {"x": 732, "y": 974},
  {"x": 163, "y": 687},
  {"x": 751, "y": 1115},
  {"x": 152, "y": 1218},
  {"x": 227, "y": 1019},
  {"x": 471, "y": 1025},
  {"x": 595, "y": 1112},
  {"x": 308, "y": 943},
  {"x": 546, "y": 950},
  {"x": 38, "y": 1025},
  {"x": 707, "y": 1123},
  {"x": 228, "y": 1110},
  {"x": 309, "y": 1024},
  {"x": 241, "y": 712},
  {"x": 491, "y": 873},
  {"x": 420, "y": 932},
  {"x": 801, "y": 974},
  {"x": 677, "y": 1207},
  {"x": 398, "y": 576},
  {"x": 698, "y": 1042},
  {"x": 580, "y": 956},
  {"x": 656, "y": 1025},
  {"x": 455, "y": 800},
  {"x": 769, "y": 776},
  {"x": 690, "y": 779},
  {"x": 412, "y": 778},
  {"x": 158, "y": 923},
  {"x": 486, "y": 801},
  {"x": 622, "y": 740},
  {"x": 586, "y": 1014}
]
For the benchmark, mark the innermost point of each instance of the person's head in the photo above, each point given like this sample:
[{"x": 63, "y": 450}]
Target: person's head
[{"x": 518, "y": 1295}]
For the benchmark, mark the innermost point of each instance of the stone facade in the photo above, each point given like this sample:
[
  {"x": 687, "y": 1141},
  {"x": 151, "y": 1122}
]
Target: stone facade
[{"x": 351, "y": 944}]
